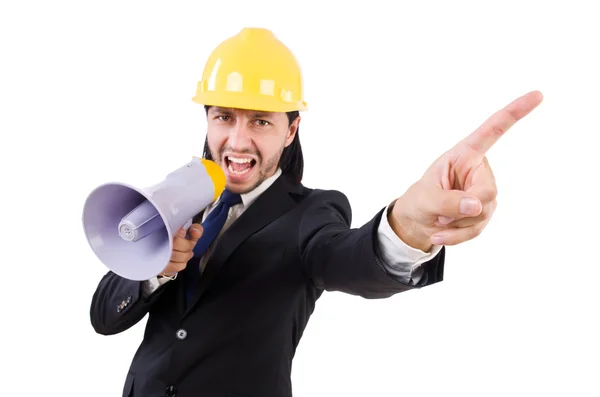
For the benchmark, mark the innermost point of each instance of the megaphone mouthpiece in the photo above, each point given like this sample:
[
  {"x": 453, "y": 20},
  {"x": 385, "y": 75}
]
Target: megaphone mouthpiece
[
  {"x": 140, "y": 222},
  {"x": 131, "y": 230}
]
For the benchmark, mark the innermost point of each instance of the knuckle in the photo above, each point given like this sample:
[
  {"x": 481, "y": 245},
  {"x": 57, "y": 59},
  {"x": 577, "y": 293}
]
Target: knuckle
[
  {"x": 498, "y": 128},
  {"x": 489, "y": 210},
  {"x": 489, "y": 194},
  {"x": 493, "y": 192},
  {"x": 497, "y": 131},
  {"x": 469, "y": 233},
  {"x": 477, "y": 230}
]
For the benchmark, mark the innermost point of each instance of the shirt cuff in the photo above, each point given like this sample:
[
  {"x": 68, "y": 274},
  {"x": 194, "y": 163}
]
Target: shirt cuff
[
  {"x": 149, "y": 286},
  {"x": 401, "y": 259}
]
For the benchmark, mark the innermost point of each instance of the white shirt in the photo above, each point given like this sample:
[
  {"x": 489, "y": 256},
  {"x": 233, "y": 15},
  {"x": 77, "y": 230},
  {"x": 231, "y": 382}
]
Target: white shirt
[{"x": 400, "y": 260}]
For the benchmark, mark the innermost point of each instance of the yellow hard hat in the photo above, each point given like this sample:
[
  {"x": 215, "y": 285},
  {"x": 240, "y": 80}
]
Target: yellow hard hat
[{"x": 252, "y": 70}]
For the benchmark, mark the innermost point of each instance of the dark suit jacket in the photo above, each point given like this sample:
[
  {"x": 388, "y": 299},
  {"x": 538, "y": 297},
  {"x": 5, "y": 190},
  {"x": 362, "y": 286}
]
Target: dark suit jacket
[{"x": 254, "y": 299}]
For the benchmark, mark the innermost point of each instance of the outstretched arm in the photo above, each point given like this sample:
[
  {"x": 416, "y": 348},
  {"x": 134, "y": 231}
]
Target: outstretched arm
[
  {"x": 340, "y": 258},
  {"x": 452, "y": 203}
]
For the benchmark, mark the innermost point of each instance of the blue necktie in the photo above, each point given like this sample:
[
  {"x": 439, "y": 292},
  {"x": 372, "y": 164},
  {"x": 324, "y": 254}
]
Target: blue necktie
[{"x": 212, "y": 225}]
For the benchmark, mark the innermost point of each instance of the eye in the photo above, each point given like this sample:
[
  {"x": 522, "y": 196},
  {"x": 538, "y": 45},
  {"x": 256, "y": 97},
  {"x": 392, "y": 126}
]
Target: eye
[
  {"x": 263, "y": 123},
  {"x": 223, "y": 117}
]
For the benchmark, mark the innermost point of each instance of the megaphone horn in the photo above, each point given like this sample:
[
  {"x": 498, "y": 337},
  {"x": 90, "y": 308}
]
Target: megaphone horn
[{"x": 131, "y": 230}]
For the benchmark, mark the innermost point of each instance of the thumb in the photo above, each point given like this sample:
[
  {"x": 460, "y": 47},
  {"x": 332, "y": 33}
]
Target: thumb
[
  {"x": 195, "y": 232},
  {"x": 457, "y": 204}
]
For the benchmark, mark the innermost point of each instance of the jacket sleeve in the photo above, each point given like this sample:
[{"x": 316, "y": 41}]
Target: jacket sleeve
[
  {"x": 118, "y": 304},
  {"x": 340, "y": 258}
]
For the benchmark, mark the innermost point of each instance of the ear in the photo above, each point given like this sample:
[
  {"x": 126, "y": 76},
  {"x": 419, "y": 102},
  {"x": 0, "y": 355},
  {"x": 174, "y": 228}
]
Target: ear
[{"x": 292, "y": 131}]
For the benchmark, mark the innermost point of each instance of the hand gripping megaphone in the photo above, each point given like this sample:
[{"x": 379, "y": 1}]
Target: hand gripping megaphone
[{"x": 131, "y": 230}]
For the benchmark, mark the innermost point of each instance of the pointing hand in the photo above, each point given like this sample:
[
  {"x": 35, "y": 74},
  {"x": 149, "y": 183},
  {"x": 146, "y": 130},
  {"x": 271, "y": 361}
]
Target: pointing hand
[{"x": 456, "y": 197}]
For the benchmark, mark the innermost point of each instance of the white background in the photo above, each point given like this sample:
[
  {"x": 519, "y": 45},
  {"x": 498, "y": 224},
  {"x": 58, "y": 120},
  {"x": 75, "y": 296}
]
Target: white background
[{"x": 97, "y": 91}]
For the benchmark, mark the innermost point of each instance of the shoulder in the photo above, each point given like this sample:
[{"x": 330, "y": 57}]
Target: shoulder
[
  {"x": 317, "y": 195},
  {"x": 314, "y": 199},
  {"x": 325, "y": 204},
  {"x": 329, "y": 195}
]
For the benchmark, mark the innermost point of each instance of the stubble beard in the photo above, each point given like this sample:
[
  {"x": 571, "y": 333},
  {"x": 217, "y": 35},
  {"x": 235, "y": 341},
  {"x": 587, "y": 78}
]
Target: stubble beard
[{"x": 264, "y": 171}]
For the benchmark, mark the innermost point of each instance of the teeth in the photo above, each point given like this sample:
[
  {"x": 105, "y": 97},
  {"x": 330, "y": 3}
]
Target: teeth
[
  {"x": 239, "y": 161},
  {"x": 238, "y": 172}
]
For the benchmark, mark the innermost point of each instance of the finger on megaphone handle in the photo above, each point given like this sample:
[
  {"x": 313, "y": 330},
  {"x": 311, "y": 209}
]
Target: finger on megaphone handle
[
  {"x": 181, "y": 256},
  {"x": 182, "y": 244},
  {"x": 195, "y": 232},
  {"x": 174, "y": 267}
]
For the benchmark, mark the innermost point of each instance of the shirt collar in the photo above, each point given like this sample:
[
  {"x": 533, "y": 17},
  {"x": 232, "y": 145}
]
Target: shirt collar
[{"x": 248, "y": 198}]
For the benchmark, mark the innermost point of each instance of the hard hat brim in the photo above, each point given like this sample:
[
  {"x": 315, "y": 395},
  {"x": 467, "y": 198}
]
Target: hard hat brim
[{"x": 247, "y": 102}]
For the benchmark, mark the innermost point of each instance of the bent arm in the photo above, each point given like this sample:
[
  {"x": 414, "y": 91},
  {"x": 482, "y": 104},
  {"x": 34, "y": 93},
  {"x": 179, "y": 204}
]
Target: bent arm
[
  {"x": 118, "y": 304},
  {"x": 339, "y": 258}
]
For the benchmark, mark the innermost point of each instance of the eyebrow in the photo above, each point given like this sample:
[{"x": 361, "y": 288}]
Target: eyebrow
[
  {"x": 262, "y": 114},
  {"x": 254, "y": 114},
  {"x": 220, "y": 110}
]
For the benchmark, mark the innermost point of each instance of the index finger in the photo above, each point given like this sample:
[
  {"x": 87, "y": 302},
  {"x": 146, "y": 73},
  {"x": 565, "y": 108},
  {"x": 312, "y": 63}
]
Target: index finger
[
  {"x": 195, "y": 232},
  {"x": 484, "y": 137}
]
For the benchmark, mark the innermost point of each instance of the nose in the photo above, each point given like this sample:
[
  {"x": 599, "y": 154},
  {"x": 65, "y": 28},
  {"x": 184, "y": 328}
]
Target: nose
[{"x": 239, "y": 137}]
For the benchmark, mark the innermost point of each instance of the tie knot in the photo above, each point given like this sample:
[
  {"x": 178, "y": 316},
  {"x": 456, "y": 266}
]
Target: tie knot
[{"x": 229, "y": 198}]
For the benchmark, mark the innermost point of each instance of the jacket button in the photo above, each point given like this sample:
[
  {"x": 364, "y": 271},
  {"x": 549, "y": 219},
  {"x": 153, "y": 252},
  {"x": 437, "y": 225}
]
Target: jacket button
[
  {"x": 170, "y": 391},
  {"x": 181, "y": 334}
]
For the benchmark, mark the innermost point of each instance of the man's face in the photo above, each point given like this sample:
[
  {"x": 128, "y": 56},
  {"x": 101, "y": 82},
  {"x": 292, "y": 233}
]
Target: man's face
[{"x": 247, "y": 144}]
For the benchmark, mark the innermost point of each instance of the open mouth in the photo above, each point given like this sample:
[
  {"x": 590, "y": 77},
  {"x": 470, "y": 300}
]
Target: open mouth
[{"x": 239, "y": 165}]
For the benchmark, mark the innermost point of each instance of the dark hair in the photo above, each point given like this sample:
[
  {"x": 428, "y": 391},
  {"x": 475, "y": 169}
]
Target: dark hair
[{"x": 291, "y": 161}]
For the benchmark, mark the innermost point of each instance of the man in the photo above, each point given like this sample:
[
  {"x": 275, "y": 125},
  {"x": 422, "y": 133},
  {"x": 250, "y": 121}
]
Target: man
[{"x": 226, "y": 314}]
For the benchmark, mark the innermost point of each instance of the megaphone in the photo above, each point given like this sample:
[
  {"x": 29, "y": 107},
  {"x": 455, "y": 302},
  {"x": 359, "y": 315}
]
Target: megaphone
[{"x": 131, "y": 230}]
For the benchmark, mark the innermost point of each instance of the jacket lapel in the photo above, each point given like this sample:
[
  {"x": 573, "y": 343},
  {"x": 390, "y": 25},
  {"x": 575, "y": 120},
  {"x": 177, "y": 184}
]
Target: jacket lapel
[{"x": 269, "y": 206}]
